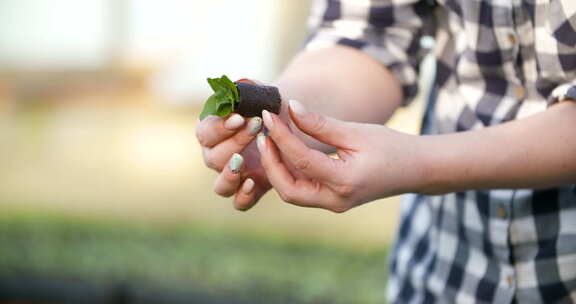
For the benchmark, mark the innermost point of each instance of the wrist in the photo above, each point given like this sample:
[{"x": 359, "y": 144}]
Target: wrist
[
  {"x": 408, "y": 166},
  {"x": 424, "y": 167},
  {"x": 442, "y": 170},
  {"x": 420, "y": 170},
  {"x": 430, "y": 183}
]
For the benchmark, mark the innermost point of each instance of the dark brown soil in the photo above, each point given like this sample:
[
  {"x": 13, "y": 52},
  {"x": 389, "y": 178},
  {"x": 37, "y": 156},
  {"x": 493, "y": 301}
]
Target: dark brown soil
[{"x": 255, "y": 98}]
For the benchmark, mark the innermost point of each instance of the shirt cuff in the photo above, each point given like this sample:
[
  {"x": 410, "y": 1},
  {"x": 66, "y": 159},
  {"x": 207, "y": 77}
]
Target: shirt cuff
[{"x": 563, "y": 92}]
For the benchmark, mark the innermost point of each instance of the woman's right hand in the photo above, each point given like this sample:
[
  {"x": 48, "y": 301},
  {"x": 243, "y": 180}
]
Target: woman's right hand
[{"x": 228, "y": 147}]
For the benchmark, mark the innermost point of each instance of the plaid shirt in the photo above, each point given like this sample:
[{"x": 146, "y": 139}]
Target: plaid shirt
[{"x": 497, "y": 60}]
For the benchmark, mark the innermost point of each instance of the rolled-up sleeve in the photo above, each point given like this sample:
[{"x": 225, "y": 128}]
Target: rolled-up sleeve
[
  {"x": 388, "y": 30},
  {"x": 566, "y": 91}
]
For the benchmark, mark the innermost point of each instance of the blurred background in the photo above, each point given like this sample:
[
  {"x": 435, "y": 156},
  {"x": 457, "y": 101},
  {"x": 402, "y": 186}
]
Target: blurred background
[{"x": 103, "y": 194}]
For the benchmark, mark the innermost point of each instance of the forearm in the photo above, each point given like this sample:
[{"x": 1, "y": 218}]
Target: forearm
[
  {"x": 536, "y": 152},
  {"x": 342, "y": 83}
]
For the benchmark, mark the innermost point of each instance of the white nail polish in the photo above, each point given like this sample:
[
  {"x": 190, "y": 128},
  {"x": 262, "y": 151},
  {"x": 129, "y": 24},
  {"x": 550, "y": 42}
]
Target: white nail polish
[
  {"x": 297, "y": 107},
  {"x": 261, "y": 141},
  {"x": 255, "y": 125},
  {"x": 267, "y": 119},
  {"x": 235, "y": 163},
  {"x": 234, "y": 122},
  {"x": 248, "y": 186}
]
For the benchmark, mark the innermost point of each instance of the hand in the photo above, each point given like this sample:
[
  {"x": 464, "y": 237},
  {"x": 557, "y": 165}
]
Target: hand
[
  {"x": 228, "y": 147},
  {"x": 373, "y": 161}
]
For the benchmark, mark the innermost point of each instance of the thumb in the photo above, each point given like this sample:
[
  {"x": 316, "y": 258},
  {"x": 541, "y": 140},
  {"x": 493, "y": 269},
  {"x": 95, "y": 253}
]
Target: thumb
[{"x": 325, "y": 129}]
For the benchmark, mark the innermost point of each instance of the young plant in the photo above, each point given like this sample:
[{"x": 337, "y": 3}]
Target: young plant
[{"x": 246, "y": 99}]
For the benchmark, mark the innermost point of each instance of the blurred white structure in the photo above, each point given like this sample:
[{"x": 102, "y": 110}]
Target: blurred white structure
[
  {"x": 230, "y": 37},
  {"x": 49, "y": 34},
  {"x": 181, "y": 41}
]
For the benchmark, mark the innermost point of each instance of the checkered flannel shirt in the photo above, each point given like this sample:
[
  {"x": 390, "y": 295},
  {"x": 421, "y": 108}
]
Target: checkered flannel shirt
[{"x": 497, "y": 60}]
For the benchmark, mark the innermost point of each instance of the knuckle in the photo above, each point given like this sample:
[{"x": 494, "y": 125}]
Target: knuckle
[
  {"x": 339, "y": 208},
  {"x": 265, "y": 163},
  {"x": 302, "y": 163},
  {"x": 319, "y": 125},
  {"x": 346, "y": 188},
  {"x": 278, "y": 136},
  {"x": 231, "y": 178},
  {"x": 210, "y": 161},
  {"x": 243, "y": 139},
  {"x": 286, "y": 197}
]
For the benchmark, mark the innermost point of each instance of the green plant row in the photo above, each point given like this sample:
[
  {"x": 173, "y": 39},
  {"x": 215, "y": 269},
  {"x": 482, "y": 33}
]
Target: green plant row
[{"x": 216, "y": 261}]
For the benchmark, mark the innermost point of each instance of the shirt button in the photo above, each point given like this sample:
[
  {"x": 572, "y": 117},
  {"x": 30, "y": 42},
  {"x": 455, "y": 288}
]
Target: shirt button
[
  {"x": 520, "y": 92},
  {"x": 501, "y": 212},
  {"x": 512, "y": 39}
]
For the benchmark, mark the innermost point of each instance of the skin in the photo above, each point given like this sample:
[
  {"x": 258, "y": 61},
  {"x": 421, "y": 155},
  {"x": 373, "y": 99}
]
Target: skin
[
  {"x": 373, "y": 160},
  {"x": 378, "y": 95}
]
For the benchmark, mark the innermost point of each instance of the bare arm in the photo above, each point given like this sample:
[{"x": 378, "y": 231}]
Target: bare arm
[
  {"x": 536, "y": 152},
  {"x": 340, "y": 82}
]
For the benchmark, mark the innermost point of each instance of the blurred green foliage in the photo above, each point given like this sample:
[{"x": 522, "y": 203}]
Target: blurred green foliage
[{"x": 280, "y": 269}]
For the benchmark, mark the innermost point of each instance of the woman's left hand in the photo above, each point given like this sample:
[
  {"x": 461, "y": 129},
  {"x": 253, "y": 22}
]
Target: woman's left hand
[{"x": 373, "y": 161}]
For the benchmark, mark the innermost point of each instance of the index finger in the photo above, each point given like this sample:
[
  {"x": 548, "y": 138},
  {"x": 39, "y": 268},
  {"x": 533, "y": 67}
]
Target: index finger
[
  {"x": 312, "y": 163},
  {"x": 213, "y": 129}
]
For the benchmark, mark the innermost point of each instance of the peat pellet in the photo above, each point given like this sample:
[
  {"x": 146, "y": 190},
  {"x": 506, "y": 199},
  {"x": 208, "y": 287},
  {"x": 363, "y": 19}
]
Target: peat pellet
[{"x": 252, "y": 99}]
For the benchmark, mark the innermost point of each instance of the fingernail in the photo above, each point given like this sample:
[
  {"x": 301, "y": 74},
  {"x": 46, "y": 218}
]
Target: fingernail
[
  {"x": 267, "y": 119},
  {"x": 261, "y": 141},
  {"x": 234, "y": 122},
  {"x": 297, "y": 107},
  {"x": 235, "y": 163},
  {"x": 245, "y": 80},
  {"x": 255, "y": 125},
  {"x": 248, "y": 186}
]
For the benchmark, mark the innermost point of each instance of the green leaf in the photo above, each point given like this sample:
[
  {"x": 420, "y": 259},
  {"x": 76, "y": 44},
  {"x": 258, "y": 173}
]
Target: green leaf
[
  {"x": 210, "y": 107},
  {"x": 224, "y": 109},
  {"x": 215, "y": 84},
  {"x": 232, "y": 87},
  {"x": 225, "y": 96}
]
